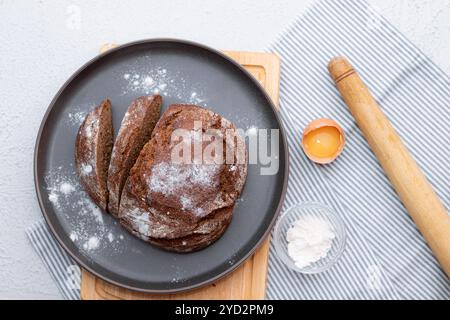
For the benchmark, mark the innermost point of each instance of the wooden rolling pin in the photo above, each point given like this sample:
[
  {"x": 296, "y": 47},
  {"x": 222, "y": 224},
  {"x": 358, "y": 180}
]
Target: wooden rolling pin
[{"x": 414, "y": 190}]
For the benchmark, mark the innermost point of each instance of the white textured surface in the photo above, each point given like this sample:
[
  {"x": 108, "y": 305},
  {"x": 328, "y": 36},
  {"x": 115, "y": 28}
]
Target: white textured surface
[{"x": 43, "y": 42}]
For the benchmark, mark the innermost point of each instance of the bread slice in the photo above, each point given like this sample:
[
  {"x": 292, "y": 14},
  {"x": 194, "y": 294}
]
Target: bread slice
[
  {"x": 93, "y": 152},
  {"x": 135, "y": 131}
]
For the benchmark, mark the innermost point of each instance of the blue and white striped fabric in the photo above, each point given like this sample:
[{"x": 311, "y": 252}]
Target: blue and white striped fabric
[
  {"x": 62, "y": 268},
  {"x": 386, "y": 257}
]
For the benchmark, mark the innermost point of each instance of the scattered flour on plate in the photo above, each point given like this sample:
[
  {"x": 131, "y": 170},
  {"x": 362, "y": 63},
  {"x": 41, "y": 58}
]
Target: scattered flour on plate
[
  {"x": 54, "y": 198},
  {"x": 195, "y": 98},
  {"x": 84, "y": 219},
  {"x": 178, "y": 274},
  {"x": 89, "y": 208},
  {"x": 110, "y": 237},
  {"x": 66, "y": 188},
  {"x": 73, "y": 236},
  {"x": 77, "y": 117},
  {"x": 145, "y": 82},
  {"x": 92, "y": 244},
  {"x": 78, "y": 113},
  {"x": 60, "y": 189},
  {"x": 159, "y": 80}
]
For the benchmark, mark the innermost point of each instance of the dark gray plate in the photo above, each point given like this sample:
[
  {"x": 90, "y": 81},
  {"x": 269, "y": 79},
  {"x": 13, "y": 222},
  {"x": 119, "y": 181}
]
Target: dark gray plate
[{"x": 183, "y": 72}]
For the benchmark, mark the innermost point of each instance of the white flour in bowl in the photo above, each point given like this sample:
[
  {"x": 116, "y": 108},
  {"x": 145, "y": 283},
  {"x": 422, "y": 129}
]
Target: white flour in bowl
[{"x": 309, "y": 240}]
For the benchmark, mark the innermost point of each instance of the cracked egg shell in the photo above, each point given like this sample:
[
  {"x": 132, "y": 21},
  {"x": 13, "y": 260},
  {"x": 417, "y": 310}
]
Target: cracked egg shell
[{"x": 323, "y": 141}]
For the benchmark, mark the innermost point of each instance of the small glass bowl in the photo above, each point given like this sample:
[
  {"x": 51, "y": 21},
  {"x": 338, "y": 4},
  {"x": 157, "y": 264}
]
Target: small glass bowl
[{"x": 286, "y": 221}]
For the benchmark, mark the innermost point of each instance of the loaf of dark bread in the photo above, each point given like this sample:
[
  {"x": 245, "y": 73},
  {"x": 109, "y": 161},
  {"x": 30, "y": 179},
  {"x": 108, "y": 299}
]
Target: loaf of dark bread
[
  {"x": 184, "y": 206},
  {"x": 135, "y": 130},
  {"x": 93, "y": 147}
]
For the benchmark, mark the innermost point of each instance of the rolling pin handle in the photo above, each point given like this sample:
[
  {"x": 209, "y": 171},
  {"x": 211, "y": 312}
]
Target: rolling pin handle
[{"x": 340, "y": 68}]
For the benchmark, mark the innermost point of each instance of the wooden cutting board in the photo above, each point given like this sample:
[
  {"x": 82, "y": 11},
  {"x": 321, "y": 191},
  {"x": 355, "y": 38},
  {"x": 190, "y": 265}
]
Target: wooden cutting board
[{"x": 249, "y": 280}]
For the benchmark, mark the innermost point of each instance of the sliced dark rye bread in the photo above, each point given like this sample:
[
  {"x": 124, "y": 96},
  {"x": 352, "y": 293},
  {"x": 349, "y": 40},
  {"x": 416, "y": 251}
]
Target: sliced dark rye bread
[
  {"x": 93, "y": 147},
  {"x": 135, "y": 130}
]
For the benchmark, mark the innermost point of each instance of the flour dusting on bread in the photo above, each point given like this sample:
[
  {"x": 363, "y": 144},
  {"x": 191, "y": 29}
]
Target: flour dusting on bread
[{"x": 169, "y": 178}]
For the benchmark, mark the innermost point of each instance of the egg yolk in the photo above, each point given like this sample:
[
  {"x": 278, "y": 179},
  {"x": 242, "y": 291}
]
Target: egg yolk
[{"x": 323, "y": 142}]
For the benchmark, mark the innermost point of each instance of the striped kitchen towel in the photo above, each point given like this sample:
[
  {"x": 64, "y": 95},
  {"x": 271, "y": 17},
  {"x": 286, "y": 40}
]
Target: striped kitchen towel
[
  {"x": 63, "y": 269},
  {"x": 385, "y": 257}
]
